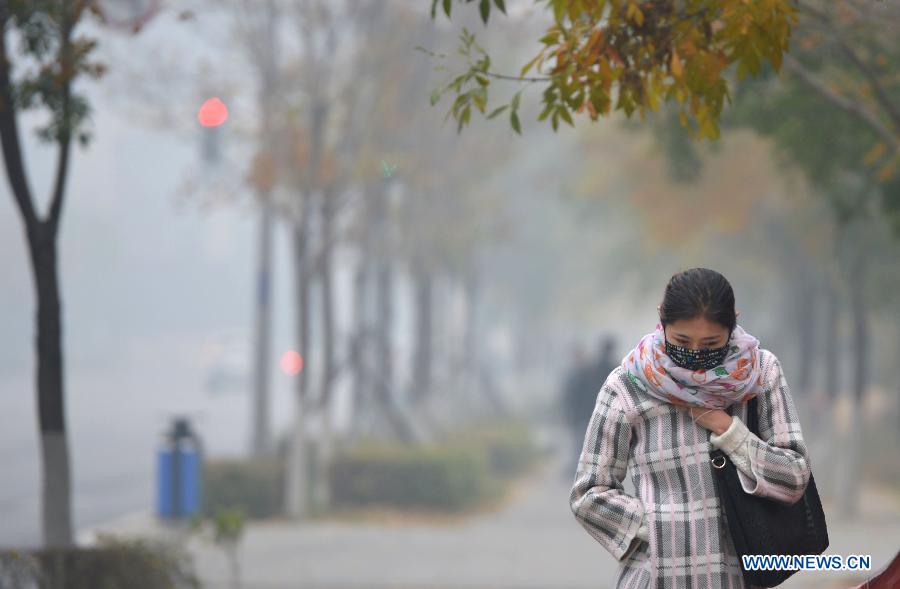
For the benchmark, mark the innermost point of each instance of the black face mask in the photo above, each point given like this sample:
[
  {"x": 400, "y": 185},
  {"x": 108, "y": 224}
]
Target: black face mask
[{"x": 706, "y": 359}]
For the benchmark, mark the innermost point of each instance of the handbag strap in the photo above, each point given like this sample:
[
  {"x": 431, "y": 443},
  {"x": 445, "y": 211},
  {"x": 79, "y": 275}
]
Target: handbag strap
[{"x": 752, "y": 414}]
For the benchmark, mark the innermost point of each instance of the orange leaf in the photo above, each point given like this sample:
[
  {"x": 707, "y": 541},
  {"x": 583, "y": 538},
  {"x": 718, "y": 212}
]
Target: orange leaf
[
  {"x": 611, "y": 51},
  {"x": 874, "y": 153},
  {"x": 594, "y": 45},
  {"x": 677, "y": 70},
  {"x": 887, "y": 171}
]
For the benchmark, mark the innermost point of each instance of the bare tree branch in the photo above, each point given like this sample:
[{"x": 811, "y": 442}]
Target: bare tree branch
[
  {"x": 65, "y": 140},
  {"x": 9, "y": 133},
  {"x": 62, "y": 170},
  {"x": 880, "y": 94},
  {"x": 842, "y": 102}
]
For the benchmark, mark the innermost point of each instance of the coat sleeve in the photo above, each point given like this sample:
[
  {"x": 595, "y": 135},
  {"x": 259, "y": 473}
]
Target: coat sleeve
[
  {"x": 735, "y": 442},
  {"x": 778, "y": 456},
  {"x": 598, "y": 498}
]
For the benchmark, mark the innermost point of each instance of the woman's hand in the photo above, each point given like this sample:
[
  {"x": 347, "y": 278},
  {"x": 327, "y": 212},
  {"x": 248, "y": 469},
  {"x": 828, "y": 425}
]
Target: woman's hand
[{"x": 716, "y": 420}]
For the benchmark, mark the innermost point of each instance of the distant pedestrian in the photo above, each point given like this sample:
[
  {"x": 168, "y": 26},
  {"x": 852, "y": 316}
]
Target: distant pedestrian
[
  {"x": 604, "y": 364},
  {"x": 578, "y": 402}
]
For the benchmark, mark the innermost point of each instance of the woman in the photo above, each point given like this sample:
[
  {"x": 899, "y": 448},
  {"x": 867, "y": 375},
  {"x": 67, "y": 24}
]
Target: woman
[{"x": 680, "y": 392}]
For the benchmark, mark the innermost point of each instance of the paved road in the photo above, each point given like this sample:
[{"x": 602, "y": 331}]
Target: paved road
[{"x": 532, "y": 541}]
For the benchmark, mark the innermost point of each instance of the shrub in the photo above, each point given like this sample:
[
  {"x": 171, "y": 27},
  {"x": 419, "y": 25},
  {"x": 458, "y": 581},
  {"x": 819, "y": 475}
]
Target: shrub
[
  {"x": 112, "y": 564},
  {"x": 255, "y": 486},
  {"x": 446, "y": 478},
  {"x": 509, "y": 445}
]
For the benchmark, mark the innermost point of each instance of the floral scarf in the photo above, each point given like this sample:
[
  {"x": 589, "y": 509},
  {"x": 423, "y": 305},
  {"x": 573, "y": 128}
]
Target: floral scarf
[{"x": 736, "y": 380}]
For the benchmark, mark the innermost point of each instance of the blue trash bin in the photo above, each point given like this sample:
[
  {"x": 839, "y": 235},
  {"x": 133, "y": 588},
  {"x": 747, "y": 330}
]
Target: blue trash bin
[{"x": 179, "y": 472}]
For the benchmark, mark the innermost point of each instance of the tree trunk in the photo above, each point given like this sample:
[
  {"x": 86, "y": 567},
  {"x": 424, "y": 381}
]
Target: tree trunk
[
  {"x": 56, "y": 493},
  {"x": 392, "y": 408},
  {"x": 261, "y": 431},
  {"x": 360, "y": 352},
  {"x": 383, "y": 373},
  {"x": 298, "y": 503},
  {"x": 805, "y": 330},
  {"x": 266, "y": 59},
  {"x": 296, "y": 495},
  {"x": 56, "y": 481},
  {"x": 322, "y": 491},
  {"x": 384, "y": 305},
  {"x": 325, "y": 271},
  {"x": 849, "y": 479},
  {"x": 849, "y": 504},
  {"x": 423, "y": 350},
  {"x": 470, "y": 351},
  {"x": 832, "y": 359},
  {"x": 831, "y": 363},
  {"x": 358, "y": 342}
]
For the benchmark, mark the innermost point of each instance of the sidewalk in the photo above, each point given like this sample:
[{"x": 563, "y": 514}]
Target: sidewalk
[{"x": 532, "y": 542}]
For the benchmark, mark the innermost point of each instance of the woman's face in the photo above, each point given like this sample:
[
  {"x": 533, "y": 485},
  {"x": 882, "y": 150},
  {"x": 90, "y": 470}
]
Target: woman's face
[{"x": 696, "y": 334}]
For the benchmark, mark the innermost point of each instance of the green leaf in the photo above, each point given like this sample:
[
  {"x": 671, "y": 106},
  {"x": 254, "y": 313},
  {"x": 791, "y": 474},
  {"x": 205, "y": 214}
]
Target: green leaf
[
  {"x": 457, "y": 82},
  {"x": 433, "y": 8},
  {"x": 546, "y": 112},
  {"x": 514, "y": 121},
  {"x": 515, "y": 100},
  {"x": 559, "y": 10},
  {"x": 447, "y": 116},
  {"x": 485, "y": 9},
  {"x": 564, "y": 113},
  {"x": 529, "y": 65},
  {"x": 461, "y": 100},
  {"x": 549, "y": 38},
  {"x": 500, "y": 5},
  {"x": 479, "y": 97},
  {"x": 497, "y": 111},
  {"x": 435, "y": 96},
  {"x": 600, "y": 101},
  {"x": 447, "y": 7}
]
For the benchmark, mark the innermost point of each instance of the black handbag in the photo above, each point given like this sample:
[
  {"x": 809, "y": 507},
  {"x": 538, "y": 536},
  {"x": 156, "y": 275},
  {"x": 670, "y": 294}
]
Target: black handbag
[{"x": 764, "y": 526}]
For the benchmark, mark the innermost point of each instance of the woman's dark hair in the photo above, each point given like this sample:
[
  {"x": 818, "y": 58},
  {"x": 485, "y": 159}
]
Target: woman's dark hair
[{"x": 698, "y": 292}]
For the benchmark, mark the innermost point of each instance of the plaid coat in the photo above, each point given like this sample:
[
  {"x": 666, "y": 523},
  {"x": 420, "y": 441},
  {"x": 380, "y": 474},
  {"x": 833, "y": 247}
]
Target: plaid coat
[{"x": 667, "y": 457}]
